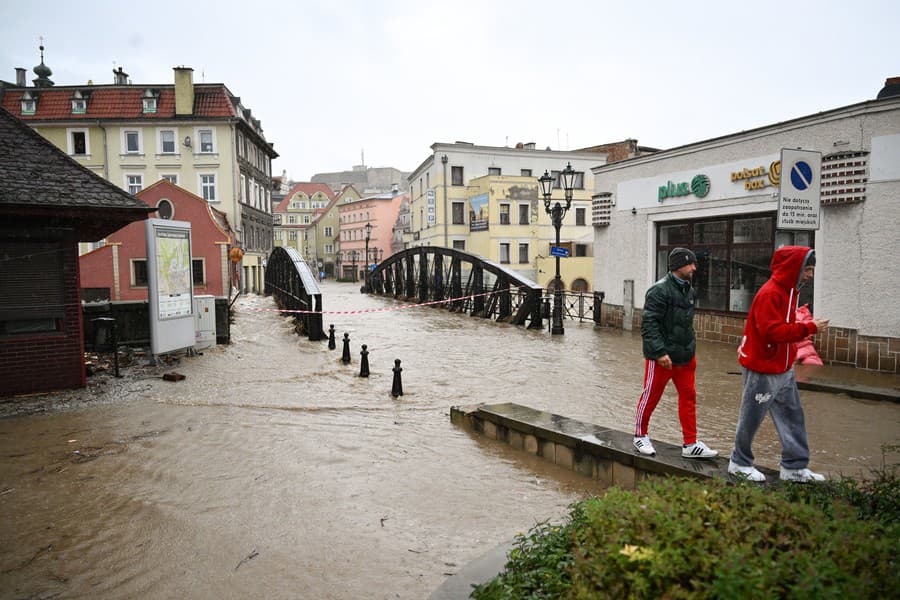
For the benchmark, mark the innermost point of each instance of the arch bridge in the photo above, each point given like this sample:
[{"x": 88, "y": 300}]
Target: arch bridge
[
  {"x": 295, "y": 287},
  {"x": 461, "y": 281}
]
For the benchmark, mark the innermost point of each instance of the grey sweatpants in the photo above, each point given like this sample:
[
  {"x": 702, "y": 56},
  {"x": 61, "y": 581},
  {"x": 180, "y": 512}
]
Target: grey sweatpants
[{"x": 776, "y": 394}]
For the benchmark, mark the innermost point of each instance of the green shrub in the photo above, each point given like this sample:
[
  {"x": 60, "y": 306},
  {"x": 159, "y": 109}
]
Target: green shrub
[{"x": 676, "y": 538}]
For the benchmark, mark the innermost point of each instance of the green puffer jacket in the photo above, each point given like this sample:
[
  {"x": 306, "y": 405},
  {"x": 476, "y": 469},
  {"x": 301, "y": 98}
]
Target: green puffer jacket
[{"x": 668, "y": 321}]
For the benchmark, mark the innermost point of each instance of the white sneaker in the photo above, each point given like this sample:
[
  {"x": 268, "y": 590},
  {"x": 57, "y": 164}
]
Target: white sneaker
[
  {"x": 644, "y": 446},
  {"x": 698, "y": 450},
  {"x": 750, "y": 473},
  {"x": 800, "y": 475}
]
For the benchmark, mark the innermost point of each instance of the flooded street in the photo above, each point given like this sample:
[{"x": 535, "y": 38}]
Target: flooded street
[{"x": 274, "y": 471}]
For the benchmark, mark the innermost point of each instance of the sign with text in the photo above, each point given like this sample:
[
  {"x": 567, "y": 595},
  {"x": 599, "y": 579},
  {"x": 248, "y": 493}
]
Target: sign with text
[
  {"x": 431, "y": 209},
  {"x": 798, "y": 201},
  {"x": 559, "y": 251}
]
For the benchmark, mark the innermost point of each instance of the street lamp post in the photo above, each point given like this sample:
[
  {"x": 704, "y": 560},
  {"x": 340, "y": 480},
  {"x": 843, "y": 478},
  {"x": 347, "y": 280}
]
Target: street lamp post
[
  {"x": 557, "y": 213},
  {"x": 366, "y": 280}
]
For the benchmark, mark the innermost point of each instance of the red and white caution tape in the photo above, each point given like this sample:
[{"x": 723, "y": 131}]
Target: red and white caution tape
[{"x": 365, "y": 310}]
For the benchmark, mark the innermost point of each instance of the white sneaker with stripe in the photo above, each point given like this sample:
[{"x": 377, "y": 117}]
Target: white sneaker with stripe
[
  {"x": 644, "y": 446},
  {"x": 698, "y": 450}
]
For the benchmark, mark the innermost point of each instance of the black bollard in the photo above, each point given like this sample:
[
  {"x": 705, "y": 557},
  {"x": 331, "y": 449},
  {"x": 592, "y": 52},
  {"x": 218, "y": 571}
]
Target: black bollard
[
  {"x": 397, "y": 387},
  {"x": 364, "y": 362},
  {"x": 331, "y": 344},
  {"x": 345, "y": 357}
]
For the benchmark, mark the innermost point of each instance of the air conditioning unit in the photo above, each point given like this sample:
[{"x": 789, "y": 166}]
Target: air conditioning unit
[{"x": 204, "y": 322}]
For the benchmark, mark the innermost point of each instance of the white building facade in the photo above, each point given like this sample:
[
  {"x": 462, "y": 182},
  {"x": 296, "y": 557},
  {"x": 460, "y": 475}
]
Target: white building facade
[{"x": 720, "y": 197}]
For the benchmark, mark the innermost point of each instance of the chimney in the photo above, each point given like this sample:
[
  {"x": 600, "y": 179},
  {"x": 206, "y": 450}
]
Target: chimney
[
  {"x": 395, "y": 189},
  {"x": 891, "y": 88},
  {"x": 121, "y": 77},
  {"x": 20, "y": 77},
  {"x": 184, "y": 91}
]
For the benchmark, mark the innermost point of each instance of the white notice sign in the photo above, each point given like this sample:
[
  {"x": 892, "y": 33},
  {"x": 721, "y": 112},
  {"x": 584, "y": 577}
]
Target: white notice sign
[{"x": 798, "y": 201}]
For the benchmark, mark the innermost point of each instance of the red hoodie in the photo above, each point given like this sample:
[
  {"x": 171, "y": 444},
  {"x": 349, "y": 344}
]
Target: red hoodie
[{"x": 771, "y": 329}]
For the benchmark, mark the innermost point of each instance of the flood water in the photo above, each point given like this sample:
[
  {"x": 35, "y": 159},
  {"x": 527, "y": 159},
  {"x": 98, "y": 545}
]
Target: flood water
[{"x": 274, "y": 471}]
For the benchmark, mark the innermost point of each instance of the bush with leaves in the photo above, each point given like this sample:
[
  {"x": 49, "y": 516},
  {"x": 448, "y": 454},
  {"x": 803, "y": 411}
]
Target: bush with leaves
[{"x": 677, "y": 538}]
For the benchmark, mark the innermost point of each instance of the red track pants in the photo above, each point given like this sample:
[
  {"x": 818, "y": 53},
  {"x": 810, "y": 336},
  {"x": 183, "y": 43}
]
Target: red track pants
[{"x": 655, "y": 380}]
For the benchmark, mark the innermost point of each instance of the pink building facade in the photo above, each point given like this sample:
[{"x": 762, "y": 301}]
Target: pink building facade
[{"x": 380, "y": 212}]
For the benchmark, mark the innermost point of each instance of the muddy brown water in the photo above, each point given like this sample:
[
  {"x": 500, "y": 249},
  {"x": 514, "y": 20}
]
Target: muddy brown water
[{"x": 275, "y": 471}]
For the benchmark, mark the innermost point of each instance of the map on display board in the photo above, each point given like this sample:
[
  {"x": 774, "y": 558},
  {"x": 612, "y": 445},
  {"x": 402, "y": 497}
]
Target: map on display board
[
  {"x": 170, "y": 285},
  {"x": 173, "y": 252}
]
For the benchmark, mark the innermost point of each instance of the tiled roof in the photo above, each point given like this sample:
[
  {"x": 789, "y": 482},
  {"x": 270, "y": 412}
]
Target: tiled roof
[
  {"x": 35, "y": 173},
  {"x": 311, "y": 188},
  {"x": 118, "y": 102}
]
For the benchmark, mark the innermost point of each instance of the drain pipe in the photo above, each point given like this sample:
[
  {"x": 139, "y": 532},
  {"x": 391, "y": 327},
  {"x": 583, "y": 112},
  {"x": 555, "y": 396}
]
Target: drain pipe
[
  {"x": 105, "y": 152},
  {"x": 446, "y": 216}
]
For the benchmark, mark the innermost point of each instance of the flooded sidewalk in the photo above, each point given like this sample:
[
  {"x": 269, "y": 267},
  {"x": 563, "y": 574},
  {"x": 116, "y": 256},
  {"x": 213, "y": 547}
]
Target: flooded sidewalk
[{"x": 273, "y": 470}]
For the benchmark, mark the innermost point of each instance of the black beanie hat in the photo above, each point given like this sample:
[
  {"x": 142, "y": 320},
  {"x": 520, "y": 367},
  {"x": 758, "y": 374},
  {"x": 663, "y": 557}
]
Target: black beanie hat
[{"x": 680, "y": 257}]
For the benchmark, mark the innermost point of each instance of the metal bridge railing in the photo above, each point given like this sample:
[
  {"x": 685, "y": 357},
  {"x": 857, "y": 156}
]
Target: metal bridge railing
[
  {"x": 295, "y": 287},
  {"x": 580, "y": 306}
]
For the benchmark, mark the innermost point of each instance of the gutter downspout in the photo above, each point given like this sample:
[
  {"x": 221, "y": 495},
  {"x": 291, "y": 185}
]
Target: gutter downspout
[
  {"x": 105, "y": 152},
  {"x": 446, "y": 216}
]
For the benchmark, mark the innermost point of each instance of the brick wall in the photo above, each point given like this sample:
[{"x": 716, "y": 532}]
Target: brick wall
[
  {"x": 836, "y": 346},
  {"x": 42, "y": 363}
]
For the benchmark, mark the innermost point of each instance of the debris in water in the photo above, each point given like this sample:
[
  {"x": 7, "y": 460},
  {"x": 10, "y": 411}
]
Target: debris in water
[
  {"x": 173, "y": 376},
  {"x": 249, "y": 557}
]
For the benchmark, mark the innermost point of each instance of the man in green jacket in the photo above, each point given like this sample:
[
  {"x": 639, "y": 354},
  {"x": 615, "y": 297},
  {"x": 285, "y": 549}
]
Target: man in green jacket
[{"x": 669, "y": 344}]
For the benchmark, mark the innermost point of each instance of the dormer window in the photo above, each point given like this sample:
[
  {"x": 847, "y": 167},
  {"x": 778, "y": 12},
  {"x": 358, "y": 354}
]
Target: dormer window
[
  {"x": 29, "y": 104},
  {"x": 79, "y": 103},
  {"x": 149, "y": 100}
]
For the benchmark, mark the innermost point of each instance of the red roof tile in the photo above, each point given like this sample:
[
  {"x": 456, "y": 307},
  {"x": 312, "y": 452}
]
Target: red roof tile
[{"x": 117, "y": 102}]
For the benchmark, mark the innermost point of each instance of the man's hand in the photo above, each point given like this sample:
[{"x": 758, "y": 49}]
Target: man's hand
[
  {"x": 666, "y": 363},
  {"x": 821, "y": 324}
]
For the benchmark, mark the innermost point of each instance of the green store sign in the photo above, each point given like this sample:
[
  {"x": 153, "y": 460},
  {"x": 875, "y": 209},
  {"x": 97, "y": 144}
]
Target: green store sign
[{"x": 699, "y": 186}]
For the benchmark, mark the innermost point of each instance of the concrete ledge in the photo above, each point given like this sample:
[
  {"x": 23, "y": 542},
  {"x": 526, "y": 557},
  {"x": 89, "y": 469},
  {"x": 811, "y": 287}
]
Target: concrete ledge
[
  {"x": 594, "y": 451},
  {"x": 855, "y": 390}
]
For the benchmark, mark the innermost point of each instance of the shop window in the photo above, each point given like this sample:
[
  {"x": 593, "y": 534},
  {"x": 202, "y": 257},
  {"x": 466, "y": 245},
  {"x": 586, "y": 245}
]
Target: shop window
[
  {"x": 733, "y": 257},
  {"x": 675, "y": 235}
]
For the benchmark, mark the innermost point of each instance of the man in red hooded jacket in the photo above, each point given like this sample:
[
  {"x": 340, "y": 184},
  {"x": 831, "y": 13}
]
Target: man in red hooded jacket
[{"x": 767, "y": 353}]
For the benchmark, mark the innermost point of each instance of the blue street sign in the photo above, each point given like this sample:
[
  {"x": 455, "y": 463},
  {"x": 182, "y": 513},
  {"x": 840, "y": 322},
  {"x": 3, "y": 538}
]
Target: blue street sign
[
  {"x": 559, "y": 251},
  {"x": 372, "y": 267},
  {"x": 801, "y": 175}
]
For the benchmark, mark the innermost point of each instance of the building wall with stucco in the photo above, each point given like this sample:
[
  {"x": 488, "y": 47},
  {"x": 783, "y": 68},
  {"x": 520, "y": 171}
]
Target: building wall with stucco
[{"x": 856, "y": 284}]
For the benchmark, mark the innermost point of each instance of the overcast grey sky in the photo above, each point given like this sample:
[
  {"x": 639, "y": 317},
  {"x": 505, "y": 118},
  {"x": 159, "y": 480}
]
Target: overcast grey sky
[{"x": 331, "y": 78}]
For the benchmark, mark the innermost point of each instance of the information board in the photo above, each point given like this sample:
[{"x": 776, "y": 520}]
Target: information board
[{"x": 170, "y": 285}]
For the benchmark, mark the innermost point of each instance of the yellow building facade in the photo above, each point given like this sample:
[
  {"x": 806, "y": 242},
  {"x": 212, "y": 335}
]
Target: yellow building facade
[{"x": 509, "y": 225}]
